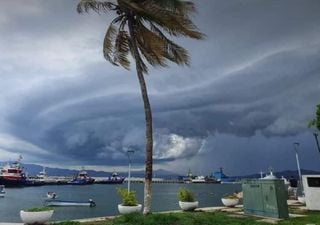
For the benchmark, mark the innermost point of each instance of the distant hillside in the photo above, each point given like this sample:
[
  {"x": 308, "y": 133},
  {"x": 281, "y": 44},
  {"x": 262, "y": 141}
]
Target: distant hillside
[{"x": 32, "y": 170}]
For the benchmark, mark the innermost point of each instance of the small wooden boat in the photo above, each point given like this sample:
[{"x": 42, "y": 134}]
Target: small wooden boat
[
  {"x": 54, "y": 202},
  {"x": 2, "y": 191}
]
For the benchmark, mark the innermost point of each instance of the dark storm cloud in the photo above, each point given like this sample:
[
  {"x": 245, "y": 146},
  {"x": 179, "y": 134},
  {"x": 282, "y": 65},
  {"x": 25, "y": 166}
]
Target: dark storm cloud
[
  {"x": 251, "y": 88},
  {"x": 269, "y": 95}
]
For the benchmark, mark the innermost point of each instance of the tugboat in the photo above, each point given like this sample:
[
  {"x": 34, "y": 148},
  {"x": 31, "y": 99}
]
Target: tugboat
[
  {"x": 198, "y": 179},
  {"x": 188, "y": 179},
  {"x": 43, "y": 177},
  {"x": 81, "y": 179},
  {"x": 113, "y": 179},
  {"x": 12, "y": 175}
]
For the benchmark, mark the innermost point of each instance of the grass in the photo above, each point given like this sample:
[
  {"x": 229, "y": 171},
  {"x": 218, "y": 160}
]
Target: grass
[
  {"x": 199, "y": 218},
  {"x": 38, "y": 209},
  {"x": 204, "y": 218}
]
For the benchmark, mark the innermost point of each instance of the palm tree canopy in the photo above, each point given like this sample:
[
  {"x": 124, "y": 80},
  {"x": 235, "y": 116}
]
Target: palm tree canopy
[
  {"x": 152, "y": 21},
  {"x": 316, "y": 122}
]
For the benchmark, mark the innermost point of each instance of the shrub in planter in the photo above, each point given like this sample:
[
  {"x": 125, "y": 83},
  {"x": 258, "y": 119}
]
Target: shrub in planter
[
  {"x": 129, "y": 202},
  {"x": 36, "y": 215},
  {"x": 230, "y": 200},
  {"x": 186, "y": 199}
]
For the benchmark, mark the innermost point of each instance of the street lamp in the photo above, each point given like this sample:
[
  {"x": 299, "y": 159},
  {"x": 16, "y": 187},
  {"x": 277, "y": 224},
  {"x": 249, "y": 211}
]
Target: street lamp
[
  {"x": 129, "y": 171},
  {"x": 317, "y": 141},
  {"x": 296, "y": 145}
]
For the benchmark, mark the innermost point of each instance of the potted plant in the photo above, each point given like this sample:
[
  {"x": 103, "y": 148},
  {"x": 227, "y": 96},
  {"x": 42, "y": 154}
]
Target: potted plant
[
  {"x": 230, "y": 200},
  {"x": 36, "y": 215},
  {"x": 129, "y": 202},
  {"x": 186, "y": 199}
]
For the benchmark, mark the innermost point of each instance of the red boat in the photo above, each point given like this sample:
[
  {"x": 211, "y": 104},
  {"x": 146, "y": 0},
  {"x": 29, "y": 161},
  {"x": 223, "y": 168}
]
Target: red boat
[{"x": 12, "y": 174}]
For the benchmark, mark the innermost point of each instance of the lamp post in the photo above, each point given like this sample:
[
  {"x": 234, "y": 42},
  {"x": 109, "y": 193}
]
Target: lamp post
[
  {"x": 129, "y": 171},
  {"x": 317, "y": 141},
  {"x": 296, "y": 145}
]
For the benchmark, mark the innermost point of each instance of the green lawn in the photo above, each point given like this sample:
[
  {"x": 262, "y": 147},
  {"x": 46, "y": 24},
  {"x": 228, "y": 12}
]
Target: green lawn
[{"x": 199, "y": 218}]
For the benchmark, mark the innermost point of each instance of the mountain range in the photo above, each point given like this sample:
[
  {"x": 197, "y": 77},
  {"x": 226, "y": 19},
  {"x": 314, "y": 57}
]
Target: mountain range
[{"x": 33, "y": 169}]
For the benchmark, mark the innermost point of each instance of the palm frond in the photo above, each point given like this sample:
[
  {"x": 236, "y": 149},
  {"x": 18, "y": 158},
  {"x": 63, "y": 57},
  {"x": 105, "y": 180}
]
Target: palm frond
[
  {"x": 122, "y": 49},
  {"x": 173, "y": 22},
  {"x": 174, "y": 52},
  {"x": 131, "y": 5},
  {"x": 177, "y": 6},
  {"x": 108, "y": 45},
  {"x": 97, "y": 6},
  {"x": 152, "y": 21},
  {"x": 150, "y": 45}
]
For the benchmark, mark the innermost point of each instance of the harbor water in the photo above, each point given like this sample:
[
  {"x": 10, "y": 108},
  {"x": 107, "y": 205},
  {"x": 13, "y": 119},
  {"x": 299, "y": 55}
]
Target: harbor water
[{"x": 106, "y": 198}]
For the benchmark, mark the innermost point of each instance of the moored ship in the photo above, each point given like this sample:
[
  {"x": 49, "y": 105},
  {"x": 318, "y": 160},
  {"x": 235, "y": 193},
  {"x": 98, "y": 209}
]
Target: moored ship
[
  {"x": 113, "y": 179},
  {"x": 12, "y": 175},
  {"x": 221, "y": 177},
  {"x": 81, "y": 179}
]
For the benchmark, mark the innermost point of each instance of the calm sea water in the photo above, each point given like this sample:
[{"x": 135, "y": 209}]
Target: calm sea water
[{"x": 106, "y": 198}]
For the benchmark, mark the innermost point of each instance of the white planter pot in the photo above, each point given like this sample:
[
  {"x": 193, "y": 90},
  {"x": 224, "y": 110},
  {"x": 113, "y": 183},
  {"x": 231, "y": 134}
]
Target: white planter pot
[
  {"x": 188, "y": 206},
  {"x": 230, "y": 202},
  {"x": 123, "y": 209},
  {"x": 35, "y": 217},
  {"x": 302, "y": 199}
]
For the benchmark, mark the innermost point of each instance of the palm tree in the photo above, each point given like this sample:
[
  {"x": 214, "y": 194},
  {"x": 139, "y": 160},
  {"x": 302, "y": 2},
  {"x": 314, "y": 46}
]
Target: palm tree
[
  {"x": 141, "y": 27},
  {"x": 316, "y": 123}
]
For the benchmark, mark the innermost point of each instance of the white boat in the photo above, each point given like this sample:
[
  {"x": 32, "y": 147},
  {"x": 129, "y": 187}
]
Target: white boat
[
  {"x": 2, "y": 191},
  {"x": 199, "y": 179},
  {"x": 51, "y": 195},
  {"x": 42, "y": 176},
  {"x": 54, "y": 202}
]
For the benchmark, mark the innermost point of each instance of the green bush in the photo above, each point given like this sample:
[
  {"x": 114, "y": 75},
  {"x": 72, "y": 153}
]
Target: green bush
[
  {"x": 128, "y": 198},
  {"x": 231, "y": 196},
  {"x": 39, "y": 209},
  {"x": 184, "y": 195}
]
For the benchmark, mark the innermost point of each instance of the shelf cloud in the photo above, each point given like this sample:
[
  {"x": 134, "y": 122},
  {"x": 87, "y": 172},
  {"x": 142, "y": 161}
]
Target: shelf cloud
[{"x": 249, "y": 93}]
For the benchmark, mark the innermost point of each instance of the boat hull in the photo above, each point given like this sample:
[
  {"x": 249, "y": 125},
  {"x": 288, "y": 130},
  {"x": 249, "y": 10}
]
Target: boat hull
[
  {"x": 12, "y": 182},
  {"x": 81, "y": 182},
  {"x": 69, "y": 203},
  {"x": 118, "y": 181}
]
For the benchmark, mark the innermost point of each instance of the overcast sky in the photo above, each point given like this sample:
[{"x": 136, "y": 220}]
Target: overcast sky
[{"x": 248, "y": 95}]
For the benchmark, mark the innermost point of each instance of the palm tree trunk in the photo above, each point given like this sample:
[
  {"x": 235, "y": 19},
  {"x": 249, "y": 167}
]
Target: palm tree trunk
[{"x": 148, "y": 119}]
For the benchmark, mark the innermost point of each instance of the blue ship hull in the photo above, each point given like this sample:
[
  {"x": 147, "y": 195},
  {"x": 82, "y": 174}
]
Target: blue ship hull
[{"x": 81, "y": 182}]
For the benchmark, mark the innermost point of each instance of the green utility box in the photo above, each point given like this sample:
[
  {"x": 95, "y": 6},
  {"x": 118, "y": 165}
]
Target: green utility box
[{"x": 266, "y": 198}]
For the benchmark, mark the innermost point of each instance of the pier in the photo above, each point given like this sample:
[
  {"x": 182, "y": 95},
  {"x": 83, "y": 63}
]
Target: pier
[{"x": 98, "y": 180}]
